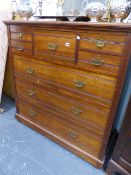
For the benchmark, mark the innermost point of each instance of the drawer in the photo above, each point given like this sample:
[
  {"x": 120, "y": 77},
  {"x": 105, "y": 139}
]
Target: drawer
[
  {"x": 103, "y": 43},
  {"x": 68, "y": 93},
  {"x": 56, "y": 33},
  {"x": 55, "y": 44},
  {"x": 100, "y": 63},
  {"x": 55, "y": 59},
  {"x": 20, "y": 29},
  {"x": 87, "y": 115},
  {"x": 66, "y": 130},
  {"x": 21, "y": 47},
  {"x": 109, "y": 36},
  {"x": 21, "y": 36},
  {"x": 82, "y": 81}
]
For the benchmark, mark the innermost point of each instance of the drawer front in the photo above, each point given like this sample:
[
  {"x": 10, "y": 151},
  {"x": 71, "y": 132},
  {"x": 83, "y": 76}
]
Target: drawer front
[
  {"x": 56, "y": 33},
  {"x": 20, "y": 29},
  {"x": 101, "y": 42},
  {"x": 100, "y": 63},
  {"x": 108, "y": 47},
  {"x": 113, "y": 37},
  {"x": 21, "y": 36},
  {"x": 70, "y": 132},
  {"x": 21, "y": 47},
  {"x": 68, "y": 93},
  {"x": 56, "y": 44},
  {"x": 91, "y": 117},
  {"x": 84, "y": 82},
  {"x": 53, "y": 58}
]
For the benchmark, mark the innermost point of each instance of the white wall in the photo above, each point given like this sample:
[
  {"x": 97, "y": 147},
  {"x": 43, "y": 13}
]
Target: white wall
[
  {"x": 5, "y": 4},
  {"x": 5, "y": 14}
]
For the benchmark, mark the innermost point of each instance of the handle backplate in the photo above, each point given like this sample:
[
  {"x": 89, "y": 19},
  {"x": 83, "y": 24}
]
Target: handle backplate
[
  {"x": 52, "y": 46},
  {"x": 97, "y": 61},
  {"x": 76, "y": 111},
  {"x": 19, "y": 48},
  {"x": 20, "y": 35},
  {"x": 100, "y": 44},
  {"x": 30, "y": 70}
]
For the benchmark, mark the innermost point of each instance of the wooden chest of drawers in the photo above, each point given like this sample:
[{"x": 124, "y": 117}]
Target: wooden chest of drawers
[{"x": 68, "y": 81}]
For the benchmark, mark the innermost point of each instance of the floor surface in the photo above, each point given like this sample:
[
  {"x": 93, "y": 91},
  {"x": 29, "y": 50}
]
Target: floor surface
[{"x": 25, "y": 152}]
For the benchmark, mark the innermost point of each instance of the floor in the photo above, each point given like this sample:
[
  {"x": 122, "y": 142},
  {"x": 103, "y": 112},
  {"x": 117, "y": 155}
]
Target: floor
[{"x": 25, "y": 152}]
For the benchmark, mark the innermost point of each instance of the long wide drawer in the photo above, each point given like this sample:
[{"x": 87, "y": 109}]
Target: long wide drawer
[
  {"x": 68, "y": 93},
  {"x": 100, "y": 87},
  {"x": 66, "y": 130},
  {"x": 87, "y": 115}
]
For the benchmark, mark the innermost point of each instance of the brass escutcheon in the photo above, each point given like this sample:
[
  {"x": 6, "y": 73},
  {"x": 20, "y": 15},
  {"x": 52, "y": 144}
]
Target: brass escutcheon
[
  {"x": 73, "y": 134},
  {"x": 79, "y": 83},
  {"x": 32, "y": 113}
]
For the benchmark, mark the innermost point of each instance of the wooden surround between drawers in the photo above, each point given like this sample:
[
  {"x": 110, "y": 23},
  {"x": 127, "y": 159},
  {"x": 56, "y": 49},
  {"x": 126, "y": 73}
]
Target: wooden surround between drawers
[{"x": 68, "y": 81}]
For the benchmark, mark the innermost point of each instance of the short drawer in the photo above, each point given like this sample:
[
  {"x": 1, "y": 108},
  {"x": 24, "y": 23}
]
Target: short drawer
[
  {"x": 54, "y": 44},
  {"x": 109, "y": 36},
  {"x": 101, "y": 42},
  {"x": 20, "y": 29},
  {"x": 21, "y": 47},
  {"x": 83, "y": 81},
  {"x": 70, "y": 132},
  {"x": 100, "y": 63},
  {"x": 21, "y": 36},
  {"x": 86, "y": 115}
]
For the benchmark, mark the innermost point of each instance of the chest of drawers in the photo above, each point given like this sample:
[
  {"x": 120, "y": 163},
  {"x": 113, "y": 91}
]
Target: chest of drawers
[{"x": 68, "y": 81}]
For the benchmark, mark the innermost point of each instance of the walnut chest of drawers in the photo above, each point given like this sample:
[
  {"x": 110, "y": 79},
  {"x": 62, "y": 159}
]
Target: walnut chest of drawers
[{"x": 68, "y": 81}]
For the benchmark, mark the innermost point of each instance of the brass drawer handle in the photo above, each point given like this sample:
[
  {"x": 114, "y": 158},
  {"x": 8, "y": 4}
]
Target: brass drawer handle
[
  {"x": 19, "y": 48},
  {"x": 97, "y": 61},
  {"x": 52, "y": 46},
  {"x": 20, "y": 35},
  {"x": 79, "y": 83},
  {"x": 76, "y": 111},
  {"x": 30, "y": 70},
  {"x": 32, "y": 113},
  {"x": 73, "y": 134},
  {"x": 100, "y": 44},
  {"x": 31, "y": 93}
]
